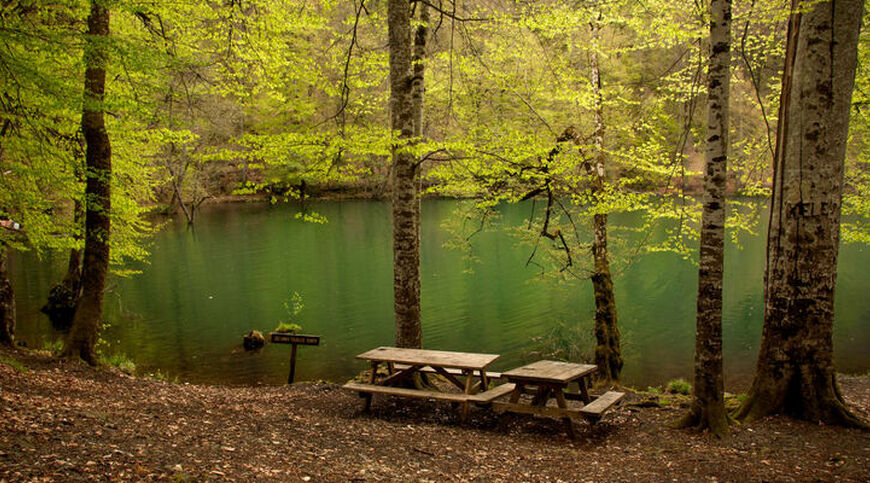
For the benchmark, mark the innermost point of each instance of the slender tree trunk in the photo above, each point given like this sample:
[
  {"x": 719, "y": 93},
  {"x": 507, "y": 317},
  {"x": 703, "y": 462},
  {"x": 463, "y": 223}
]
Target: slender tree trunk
[
  {"x": 708, "y": 408},
  {"x": 795, "y": 369},
  {"x": 406, "y": 181},
  {"x": 7, "y": 301},
  {"x": 608, "y": 355},
  {"x": 83, "y": 335}
]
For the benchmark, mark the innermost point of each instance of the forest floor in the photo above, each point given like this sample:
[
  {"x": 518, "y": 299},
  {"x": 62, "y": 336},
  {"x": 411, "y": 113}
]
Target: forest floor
[{"x": 62, "y": 421}]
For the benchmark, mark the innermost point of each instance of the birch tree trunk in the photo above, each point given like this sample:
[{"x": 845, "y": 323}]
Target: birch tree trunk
[
  {"x": 708, "y": 408},
  {"x": 406, "y": 180},
  {"x": 7, "y": 300},
  {"x": 82, "y": 339},
  {"x": 608, "y": 355},
  {"x": 795, "y": 370}
]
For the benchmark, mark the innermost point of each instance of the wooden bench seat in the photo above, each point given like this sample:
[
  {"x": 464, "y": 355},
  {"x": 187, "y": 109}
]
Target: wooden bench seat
[
  {"x": 595, "y": 409},
  {"x": 492, "y": 394}
]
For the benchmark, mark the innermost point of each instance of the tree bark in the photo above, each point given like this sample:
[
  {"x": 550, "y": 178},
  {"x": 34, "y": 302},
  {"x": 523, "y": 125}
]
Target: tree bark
[
  {"x": 795, "y": 372},
  {"x": 418, "y": 86},
  {"x": 7, "y": 301},
  {"x": 82, "y": 339},
  {"x": 406, "y": 181},
  {"x": 708, "y": 408},
  {"x": 608, "y": 355}
]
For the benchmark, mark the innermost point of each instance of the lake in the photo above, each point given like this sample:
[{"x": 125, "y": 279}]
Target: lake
[{"x": 185, "y": 314}]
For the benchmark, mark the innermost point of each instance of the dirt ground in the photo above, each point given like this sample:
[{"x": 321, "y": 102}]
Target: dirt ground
[{"x": 66, "y": 422}]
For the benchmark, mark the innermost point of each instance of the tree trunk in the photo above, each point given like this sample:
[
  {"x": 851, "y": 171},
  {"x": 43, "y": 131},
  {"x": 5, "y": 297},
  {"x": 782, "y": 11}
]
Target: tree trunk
[
  {"x": 82, "y": 339},
  {"x": 406, "y": 181},
  {"x": 64, "y": 296},
  {"x": 708, "y": 408},
  {"x": 7, "y": 301},
  {"x": 608, "y": 355},
  {"x": 795, "y": 373},
  {"x": 418, "y": 86}
]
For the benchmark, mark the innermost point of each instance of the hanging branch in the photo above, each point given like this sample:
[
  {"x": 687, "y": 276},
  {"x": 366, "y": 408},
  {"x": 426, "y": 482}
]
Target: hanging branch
[{"x": 755, "y": 82}]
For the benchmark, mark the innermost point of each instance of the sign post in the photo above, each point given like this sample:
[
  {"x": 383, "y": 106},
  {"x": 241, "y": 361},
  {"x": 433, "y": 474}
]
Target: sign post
[{"x": 293, "y": 340}]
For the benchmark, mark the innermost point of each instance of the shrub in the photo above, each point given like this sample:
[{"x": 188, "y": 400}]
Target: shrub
[{"x": 679, "y": 386}]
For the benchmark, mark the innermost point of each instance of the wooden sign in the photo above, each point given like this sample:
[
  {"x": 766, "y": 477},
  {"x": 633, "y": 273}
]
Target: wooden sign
[
  {"x": 293, "y": 340},
  {"x": 290, "y": 338}
]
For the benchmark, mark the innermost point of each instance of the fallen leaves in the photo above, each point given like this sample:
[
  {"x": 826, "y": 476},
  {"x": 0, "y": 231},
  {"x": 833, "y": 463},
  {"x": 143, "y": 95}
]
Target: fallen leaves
[{"x": 102, "y": 425}]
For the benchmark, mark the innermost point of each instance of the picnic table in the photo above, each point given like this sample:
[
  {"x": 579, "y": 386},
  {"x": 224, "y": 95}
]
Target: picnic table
[
  {"x": 548, "y": 380},
  {"x": 461, "y": 369}
]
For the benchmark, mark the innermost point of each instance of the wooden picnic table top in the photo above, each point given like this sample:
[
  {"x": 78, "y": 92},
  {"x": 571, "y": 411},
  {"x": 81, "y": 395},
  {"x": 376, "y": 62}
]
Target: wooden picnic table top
[
  {"x": 549, "y": 371},
  {"x": 424, "y": 357}
]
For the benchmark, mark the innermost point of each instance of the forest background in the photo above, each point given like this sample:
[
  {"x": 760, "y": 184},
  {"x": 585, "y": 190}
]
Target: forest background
[{"x": 288, "y": 99}]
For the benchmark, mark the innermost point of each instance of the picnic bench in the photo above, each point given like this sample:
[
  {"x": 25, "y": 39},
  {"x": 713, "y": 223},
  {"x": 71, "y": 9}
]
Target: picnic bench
[
  {"x": 548, "y": 380},
  {"x": 465, "y": 370},
  {"x": 545, "y": 381}
]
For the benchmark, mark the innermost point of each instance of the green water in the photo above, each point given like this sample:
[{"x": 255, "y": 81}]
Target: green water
[{"x": 203, "y": 288}]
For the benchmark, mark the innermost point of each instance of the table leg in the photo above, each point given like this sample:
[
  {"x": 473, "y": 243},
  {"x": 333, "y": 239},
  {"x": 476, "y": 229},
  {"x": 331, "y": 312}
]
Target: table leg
[
  {"x": 584, "y": 393},
  {"x": 469, "y": 383},
  {"x": 367, "y": 397},
  {"x": 542, "y": 396},
  {"x": 484, "y": 381},
  {"x": 560, "y": 401},
  {"x": 518, "y": 391}
]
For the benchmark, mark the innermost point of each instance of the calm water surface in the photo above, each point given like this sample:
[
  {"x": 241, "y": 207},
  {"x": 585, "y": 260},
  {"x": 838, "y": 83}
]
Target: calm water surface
[{"x": 202, "y": 289}]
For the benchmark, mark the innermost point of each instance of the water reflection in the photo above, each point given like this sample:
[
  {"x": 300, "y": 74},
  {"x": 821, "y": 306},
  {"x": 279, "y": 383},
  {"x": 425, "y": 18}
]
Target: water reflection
[{"x": 186, "y": 313}]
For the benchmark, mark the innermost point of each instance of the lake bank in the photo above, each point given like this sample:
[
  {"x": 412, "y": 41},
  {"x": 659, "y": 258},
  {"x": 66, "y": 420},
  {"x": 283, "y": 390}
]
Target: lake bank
[
  {"x": 202, "y": 288},
  {"x": 67, "y": 422}
]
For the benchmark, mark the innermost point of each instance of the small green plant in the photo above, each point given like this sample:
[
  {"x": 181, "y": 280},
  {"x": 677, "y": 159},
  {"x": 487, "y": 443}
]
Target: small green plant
[
  {"x": 654, "y": 390},
  {"x": 13, "y": 364},
  {"x": 120, "y": 361},
  {"x": 679, "y": 386},
  {"x": 162, "y": 376},
  {"x": 293, "y": 306},
  {"x": 53, "y": 346},
  {"x": 564, "y": 343}
]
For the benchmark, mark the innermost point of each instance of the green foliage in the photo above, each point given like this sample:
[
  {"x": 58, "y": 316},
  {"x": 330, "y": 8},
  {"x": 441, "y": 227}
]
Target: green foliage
[
  {"x": 564, "y": 343},
  {"x": 13, "y": 363},
  {"x": 53, "y": 346},
  {"x": 293, "y": 307},
  {"x": 163, "y": 376},
  {"x": 120, "y": 361},
  {"x": 679, "y": 386}
]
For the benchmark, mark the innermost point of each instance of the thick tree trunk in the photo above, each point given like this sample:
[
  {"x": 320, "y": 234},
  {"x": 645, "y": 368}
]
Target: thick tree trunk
[
  {"x": 608, "y": 355},
  {"x": 82, "y": 339},
  {"x": 418, "y": 86},
  {"x": 7, "y": 301},
  {"x": 795, "y": 369},
  {"x": 406, "y": 181},
  {"x": 708, "y": 408}
]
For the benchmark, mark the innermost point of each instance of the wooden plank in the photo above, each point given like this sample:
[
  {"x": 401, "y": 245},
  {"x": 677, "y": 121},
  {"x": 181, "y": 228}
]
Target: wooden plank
[
  {"x": 493, "y": 394},
  {"x": 405, "y": 392},
  {"x": 460, "y": 360},
  {"x": 399, "y": 375},
  {"x": 536, "y": 410},
  {"x": 601, "y": 404},
  {"x": 550, "y": 371},
  {"x": 450, "y": 377},
  {"x": 452, "y": 371}
]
